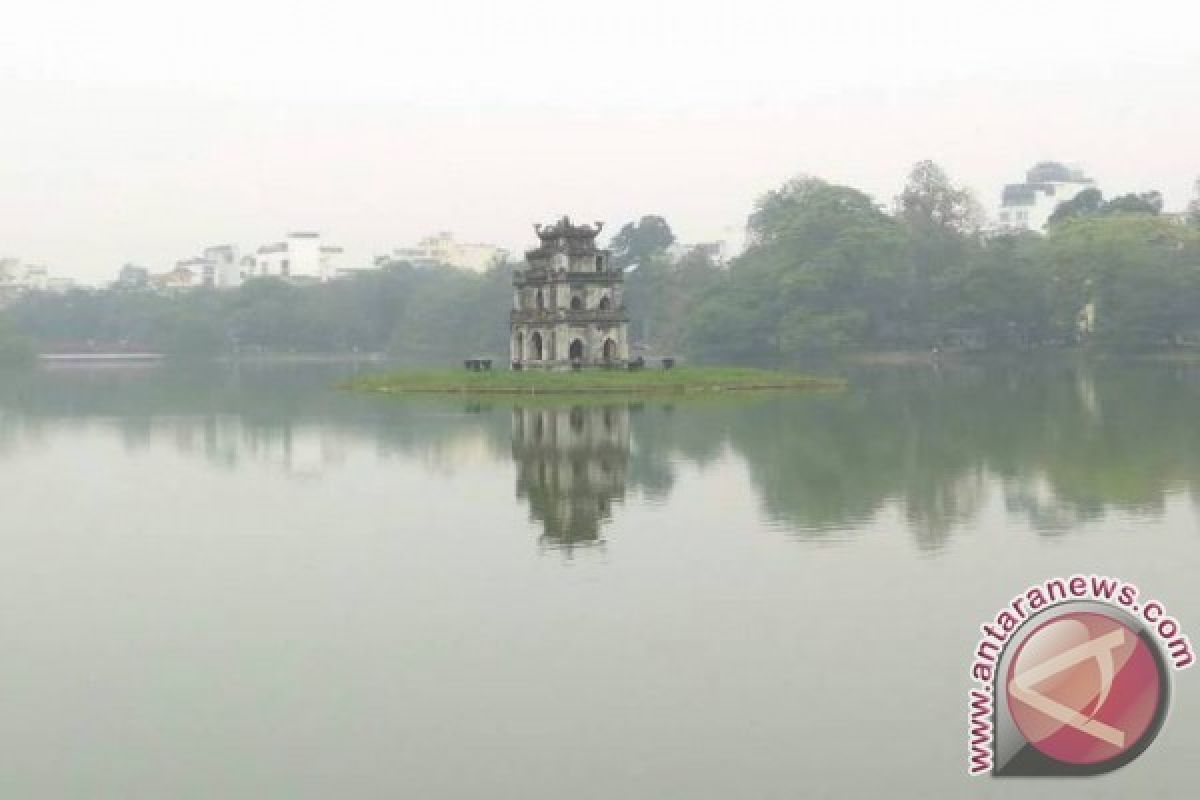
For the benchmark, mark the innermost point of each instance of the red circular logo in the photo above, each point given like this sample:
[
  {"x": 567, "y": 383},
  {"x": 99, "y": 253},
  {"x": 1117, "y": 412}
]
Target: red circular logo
[{"x": 1084, "y": 688}]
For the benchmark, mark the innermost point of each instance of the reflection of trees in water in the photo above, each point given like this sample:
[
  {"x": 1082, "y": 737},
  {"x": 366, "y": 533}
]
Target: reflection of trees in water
[
  {"x": 666, "y": 432},
  {"x": 291, "y": 417},
  {"x": 1067, "y": 445},
  {"x": 1057, "y": 444}
]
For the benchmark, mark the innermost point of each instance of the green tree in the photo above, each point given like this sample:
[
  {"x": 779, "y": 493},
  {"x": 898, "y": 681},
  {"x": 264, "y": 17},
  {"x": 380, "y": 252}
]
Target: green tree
[
  {"x": 1089, "y": 201},
  {"x": 808, "y": 214},
  {"x": 654, "y": 294},
  {"x": 1144, "y": 203},
  {"x": 14, "y": 348},
  {"x": 660, "y": 296},
  {"x": 821, "y": 273},
  {"x": 1004, "y": 296},
  {"x": 648, "y": 238},
  {"x": 1140, "y": 273},
  {"x": 942, "y": 223},
  {"x": 929, "y": 199}
]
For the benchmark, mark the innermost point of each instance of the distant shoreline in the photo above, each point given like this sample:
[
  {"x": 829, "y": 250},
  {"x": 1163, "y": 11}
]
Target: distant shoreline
[{"x": 158, "y": 358}]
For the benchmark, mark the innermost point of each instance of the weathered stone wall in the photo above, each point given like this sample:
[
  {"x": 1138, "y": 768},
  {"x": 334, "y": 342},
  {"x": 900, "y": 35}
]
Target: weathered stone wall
[{"x": 568, "y": 294}]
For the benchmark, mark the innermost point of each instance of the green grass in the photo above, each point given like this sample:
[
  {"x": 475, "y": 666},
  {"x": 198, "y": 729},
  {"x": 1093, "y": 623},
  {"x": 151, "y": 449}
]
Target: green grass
[{"x": 589, "y": 381}]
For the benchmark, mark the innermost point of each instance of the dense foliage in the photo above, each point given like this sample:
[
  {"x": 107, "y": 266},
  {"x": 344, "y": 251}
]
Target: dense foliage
[
  {"x": 827, "y": 268},
  {"x": 416, "y": 314},
  {"x": 14, "y": 348}
]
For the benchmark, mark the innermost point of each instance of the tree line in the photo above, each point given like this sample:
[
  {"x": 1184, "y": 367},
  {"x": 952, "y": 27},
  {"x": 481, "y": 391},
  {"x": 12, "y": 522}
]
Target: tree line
[
  {"x": 14, "y": 348},
  {"x": 826, "y": 268},
  {"x": 418, "y": 314}
]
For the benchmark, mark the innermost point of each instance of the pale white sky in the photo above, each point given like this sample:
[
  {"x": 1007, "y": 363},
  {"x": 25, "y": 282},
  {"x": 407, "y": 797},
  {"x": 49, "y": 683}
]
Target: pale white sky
[{"x": 143, "y": 131}]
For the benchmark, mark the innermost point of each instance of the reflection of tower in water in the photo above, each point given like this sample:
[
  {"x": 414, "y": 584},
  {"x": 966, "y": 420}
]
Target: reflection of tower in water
[{"x": 571, "y": 465}]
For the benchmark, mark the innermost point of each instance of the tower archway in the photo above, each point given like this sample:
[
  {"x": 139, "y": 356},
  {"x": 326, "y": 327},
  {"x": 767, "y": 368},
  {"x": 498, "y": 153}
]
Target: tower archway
[
  {"x": 576, "y": 352},
  {"x": 535, "y": 346},
  {"x": 610, "y": 350}
]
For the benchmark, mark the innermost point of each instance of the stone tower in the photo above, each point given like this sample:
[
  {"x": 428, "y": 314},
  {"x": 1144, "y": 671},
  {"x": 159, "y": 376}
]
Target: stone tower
[{"x": 568, "y": 304}]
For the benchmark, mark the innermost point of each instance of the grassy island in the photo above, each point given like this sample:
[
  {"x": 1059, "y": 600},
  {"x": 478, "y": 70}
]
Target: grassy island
[{"x": 589, "y": 381}]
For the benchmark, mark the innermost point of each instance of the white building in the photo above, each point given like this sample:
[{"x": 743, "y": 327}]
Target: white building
[
  {"x": 443, "y": 250},
  {"x": 10, "y": 271},
  {"x": 17, "y": 277},
  {"x": 225, "y": 264},
  {"x": 1027, "y": 206},
  {"x": 202, "y": 272},
  {"x": 300, "y": 256},
  {"x": 217, "y": 268}
]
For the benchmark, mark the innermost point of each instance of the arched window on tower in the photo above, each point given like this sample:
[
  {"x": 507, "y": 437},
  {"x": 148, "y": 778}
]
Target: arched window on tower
[{"x": 605, "y": 303}]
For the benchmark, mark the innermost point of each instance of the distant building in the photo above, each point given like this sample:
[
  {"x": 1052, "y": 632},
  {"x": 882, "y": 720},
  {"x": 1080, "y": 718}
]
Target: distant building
[
  {"x": 9, "y": 290},
  {"x": 17, "y": 278},
  {"x": 218, "y": 268},
  {"x": 1027, "y": 206},
  {"x": 9, "y": 268},
  {"x": 132, "y": 276},
  {"x": 226, "y": 266},
  {"x": 301, "y": 256},
  {"x": 568, "y": 302},
  {"x": 443, "y": 250},
  {"x": 202, "y": 270},
  {"x": 187, "y": 274},
  {"x": 36, "y": 278}
]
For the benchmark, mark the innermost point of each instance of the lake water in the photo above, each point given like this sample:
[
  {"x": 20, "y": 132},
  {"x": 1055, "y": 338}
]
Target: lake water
[{"x": 244, "y": 583}]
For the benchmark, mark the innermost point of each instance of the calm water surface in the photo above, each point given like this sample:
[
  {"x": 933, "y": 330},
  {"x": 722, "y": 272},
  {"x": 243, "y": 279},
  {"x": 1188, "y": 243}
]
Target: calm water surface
[{"x": 242, "y": 583}]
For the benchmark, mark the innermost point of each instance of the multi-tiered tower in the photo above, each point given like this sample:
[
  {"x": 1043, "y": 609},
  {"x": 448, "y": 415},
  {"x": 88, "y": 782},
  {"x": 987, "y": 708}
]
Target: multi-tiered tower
[{"x": 568, "y": 307}]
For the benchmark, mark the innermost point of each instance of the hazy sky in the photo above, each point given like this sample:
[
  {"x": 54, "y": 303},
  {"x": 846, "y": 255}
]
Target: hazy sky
[{"x": 143, "y": 131}]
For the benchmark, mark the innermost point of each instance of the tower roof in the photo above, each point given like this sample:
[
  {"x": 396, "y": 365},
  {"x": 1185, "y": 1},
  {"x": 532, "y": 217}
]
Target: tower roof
[{"x": 564, "y": 228}]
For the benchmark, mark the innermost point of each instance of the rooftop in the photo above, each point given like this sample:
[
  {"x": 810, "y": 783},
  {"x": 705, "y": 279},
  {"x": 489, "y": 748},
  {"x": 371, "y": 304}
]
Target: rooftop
[
  {"x": 1055, "y": 172},
  {"x": 564, "y": 228}
]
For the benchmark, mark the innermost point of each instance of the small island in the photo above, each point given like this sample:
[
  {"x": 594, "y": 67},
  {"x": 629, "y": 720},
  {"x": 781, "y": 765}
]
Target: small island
[{"x": 591, "y": 381}]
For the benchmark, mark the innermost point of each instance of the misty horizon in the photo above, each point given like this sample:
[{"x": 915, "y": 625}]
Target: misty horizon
[{"x": 143, "y": 138}]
